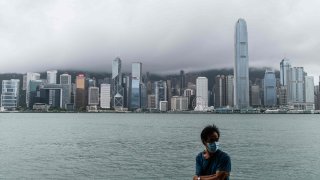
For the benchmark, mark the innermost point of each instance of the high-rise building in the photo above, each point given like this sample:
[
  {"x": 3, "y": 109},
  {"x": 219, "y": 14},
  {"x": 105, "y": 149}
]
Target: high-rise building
[
  {"x": 229, "y": 90},
  {"x": 152, "y": 101},
  {"x": 52, "y": 77},
  {"x": 241, "y": 66},
  {"x": 201, "y": 94},
  {"x": 30, "y": 76},
  {"x": 285, "y": 67},
  {"x": 270, "y": 89},
  {"x": 117, "y": 88},
  {"x": 182, "y": 82},
  {"x": 93, "y": 99},
  {"x": 81, "y": 92},
  {"x": 255, "y": 96},
  {"x": 220, "y": 91},
  {"x": 284, "y": 70},
  {"x": 296, "y": 88},
  {"x": 309, "y": 93},
  {"x": 179, "y": 103},
  {"x": 160, "y": 88},
  {"x": 105, "y": 98},
  {"x": 10, "y": 94},
  {"x": 136, "y": 80},
  {"x": 65, "y": 79}
]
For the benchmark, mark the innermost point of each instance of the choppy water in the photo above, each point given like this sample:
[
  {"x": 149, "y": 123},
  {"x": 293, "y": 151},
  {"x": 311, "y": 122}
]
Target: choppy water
[{"x": 155, "y": 146}]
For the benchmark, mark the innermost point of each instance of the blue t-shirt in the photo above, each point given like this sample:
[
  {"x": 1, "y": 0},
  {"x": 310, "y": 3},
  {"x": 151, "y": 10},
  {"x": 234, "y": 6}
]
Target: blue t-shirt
[{"x": 219, "y": 162}]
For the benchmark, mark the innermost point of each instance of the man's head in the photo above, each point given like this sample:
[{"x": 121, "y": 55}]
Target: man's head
[{"x": 209, "y": 135}]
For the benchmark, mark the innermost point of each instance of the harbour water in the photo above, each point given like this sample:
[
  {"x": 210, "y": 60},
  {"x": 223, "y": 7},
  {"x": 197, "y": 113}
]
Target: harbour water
[{"x": 155, "y": 146}]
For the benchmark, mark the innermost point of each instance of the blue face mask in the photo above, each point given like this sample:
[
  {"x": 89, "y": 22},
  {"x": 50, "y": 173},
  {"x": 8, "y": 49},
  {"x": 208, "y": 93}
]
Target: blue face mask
[{"x": 213, "y": 147}]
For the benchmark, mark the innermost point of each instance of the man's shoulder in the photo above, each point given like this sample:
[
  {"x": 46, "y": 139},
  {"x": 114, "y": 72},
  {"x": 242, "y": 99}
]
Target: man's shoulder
[{"x": 223, "y": 155}]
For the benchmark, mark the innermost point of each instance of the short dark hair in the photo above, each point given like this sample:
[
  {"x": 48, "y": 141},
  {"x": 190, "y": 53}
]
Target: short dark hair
[{"x": 207, "y": 131}]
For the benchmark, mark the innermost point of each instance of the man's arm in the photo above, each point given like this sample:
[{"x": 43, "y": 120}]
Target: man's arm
[{"x": 220, "y": 175}]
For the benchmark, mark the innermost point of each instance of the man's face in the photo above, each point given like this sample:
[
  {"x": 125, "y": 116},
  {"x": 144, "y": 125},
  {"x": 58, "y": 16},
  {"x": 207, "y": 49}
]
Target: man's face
[{"x": 212, "y": 138}]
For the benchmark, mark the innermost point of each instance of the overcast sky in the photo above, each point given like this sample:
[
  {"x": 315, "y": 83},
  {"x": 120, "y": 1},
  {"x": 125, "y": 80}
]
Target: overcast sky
[{"x": 165, "y": 35}]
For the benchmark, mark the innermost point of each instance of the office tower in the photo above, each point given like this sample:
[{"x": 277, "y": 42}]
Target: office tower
[
  {"x": 182, "y": 82},
  {"x": 10, "y": 94},
  {"x": 93, "y": 99},
  {"x": 220, "y": 91},
  {"x": 117, "y": 88},
  {"x": 270, "y": 89},
  {"x": 34, "y": 92},
  {"x": 169, "y": 93},
  {"x": 105, "y": 98},
  {"x": 163, "y": 106},
  {"x": 24, "y": 82},
  {"x": 189, "y": 93},
  {"x": 241, "y": 66},
  {"x": 179, "y": 103},
  {"x": 296, "y": 87},
  {"x": 201, "y": 94},
  {"x": 160, "y": 88},
  {"x": 316, "y": 97},
  {"x": 144, "y": 97},
  {"x": 284, "y": 70},
  {"x": 284, "y": 78},
  {"x": 309, "y": 93},
  {"x": 52, "y": 77},
  {"x": 126, "y": 84},
  {"x": 65, "y": 80},
  {"x": 136, "y": 85},
  {"x": 81, "y": 92},
  {"x": 152, "y": 101},
  {"x": 229, "y": 90},
  {"x": 255, "y": 96},
  {"x": 30, "y": 76}
]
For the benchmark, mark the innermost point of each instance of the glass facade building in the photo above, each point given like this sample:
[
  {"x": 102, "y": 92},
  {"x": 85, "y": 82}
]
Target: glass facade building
[
  {"x": 117, "y": 88},
  {"x": 136, "y": 81},
  {"x": 270, "y": 89},
  {"x": 10, "y": 94},
  {"x": 241, "y": 66}
]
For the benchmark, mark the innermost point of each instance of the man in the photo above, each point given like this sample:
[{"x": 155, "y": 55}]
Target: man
[{"x": 212, "y": 163}]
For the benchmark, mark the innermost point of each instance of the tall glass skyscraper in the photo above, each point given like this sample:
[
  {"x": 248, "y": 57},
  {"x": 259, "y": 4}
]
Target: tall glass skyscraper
[
  {"x": 284, "y": 70},
  {"x": 241, "y": 66},
  {"x": 202, "y": 94},
  {"x": 270, "y": 91},
  {"x": 10, "y": 94},
  {"x": 136, "y": 85},
  {"x": 117, "y": 89}
]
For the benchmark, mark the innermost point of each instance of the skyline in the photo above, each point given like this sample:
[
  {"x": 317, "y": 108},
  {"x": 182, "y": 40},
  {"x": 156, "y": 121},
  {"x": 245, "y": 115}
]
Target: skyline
[{"x": 184, "y": 35}]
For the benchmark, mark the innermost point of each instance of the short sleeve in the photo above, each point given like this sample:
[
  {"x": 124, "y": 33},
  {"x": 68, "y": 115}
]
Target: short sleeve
[
  {"x": 225, "y": 164},
  {"x": 198, "y": 165}
]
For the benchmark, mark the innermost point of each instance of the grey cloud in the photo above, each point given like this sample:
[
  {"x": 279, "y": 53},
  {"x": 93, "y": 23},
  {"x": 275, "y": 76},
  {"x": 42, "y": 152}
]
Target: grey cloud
[{"x": 165, "y": 36}]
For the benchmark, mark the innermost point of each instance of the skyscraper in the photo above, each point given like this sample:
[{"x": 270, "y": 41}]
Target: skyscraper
[
  {"x": 270, "y": 89},
  {"x": 93, "y": 96},
  {"x": 65, "y": 79},
  {"x": 160, "y": 88},
  {"x": 241, "y": 66},
  {"x": 136, "y": 85},
  {"x": 81, "y": 92},
  {"x": 309, "y": 93},
  {"x": 105, "y": 96},
  {"x": 117, "y": 89},
  {"x": 201, "y": 94},
  {"x": 10, "y": 94},
  {"x": 30, "y": 76},
  {"x": 284, "y": 70},
  {"x": 220, "y": 91},
  {"x": 52, "y": 77},
  {"x": 229, "y": 90},
  {"x": 296, "y": 87}
]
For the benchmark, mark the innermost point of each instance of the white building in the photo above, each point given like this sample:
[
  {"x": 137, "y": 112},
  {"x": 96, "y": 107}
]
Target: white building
[
  {"x": 309, "y": 93},
  {"x": 179, "y": 103},
  {"x": 163, "y": 106},
  {"x": 10, "y": 94},
  {"x": 296, "y": 87},
  {"x": 201, "y": 94},
  {"x": 93, "y": 98},
  {"x": 105, "y": 96},
  {"x": 52, "y": 77}
]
